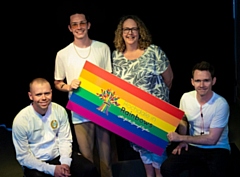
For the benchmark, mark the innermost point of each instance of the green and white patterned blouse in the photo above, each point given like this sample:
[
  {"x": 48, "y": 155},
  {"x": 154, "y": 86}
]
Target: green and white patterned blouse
[{"x": 144, "y": 72}]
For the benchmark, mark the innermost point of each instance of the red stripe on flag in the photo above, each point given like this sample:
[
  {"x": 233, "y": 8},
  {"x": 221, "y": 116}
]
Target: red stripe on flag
[{"x": 133, "y": 90}]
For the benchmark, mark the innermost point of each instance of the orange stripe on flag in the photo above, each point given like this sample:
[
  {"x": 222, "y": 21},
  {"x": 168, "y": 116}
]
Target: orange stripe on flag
[{"x": 131, "y": 98}]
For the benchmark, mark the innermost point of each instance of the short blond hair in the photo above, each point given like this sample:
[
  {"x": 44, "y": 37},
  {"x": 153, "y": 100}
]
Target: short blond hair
[{"x": 38, "y": 80}]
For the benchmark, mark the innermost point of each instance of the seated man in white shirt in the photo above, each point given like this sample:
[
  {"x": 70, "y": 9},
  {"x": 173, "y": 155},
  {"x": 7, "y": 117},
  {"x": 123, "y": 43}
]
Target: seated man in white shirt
[
  {"x": 43, "y": 140},
  {"x": 203, "y": 132}
]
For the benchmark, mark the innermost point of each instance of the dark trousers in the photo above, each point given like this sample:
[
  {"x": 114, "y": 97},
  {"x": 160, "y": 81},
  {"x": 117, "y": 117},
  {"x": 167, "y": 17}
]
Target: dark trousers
[
  {"x": 80, "y": 167},
  {"x": 215, "y": 161}
]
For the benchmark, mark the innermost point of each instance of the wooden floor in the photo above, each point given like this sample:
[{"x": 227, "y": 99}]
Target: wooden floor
[{"x": 9, "y": 167}]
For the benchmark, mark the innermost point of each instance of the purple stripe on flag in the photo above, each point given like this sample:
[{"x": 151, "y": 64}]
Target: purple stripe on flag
[{"x": 114, "y": 128}]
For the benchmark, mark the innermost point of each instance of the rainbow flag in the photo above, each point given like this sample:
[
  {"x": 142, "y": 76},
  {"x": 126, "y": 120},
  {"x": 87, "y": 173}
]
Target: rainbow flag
[{"x": 124, "y": 109}]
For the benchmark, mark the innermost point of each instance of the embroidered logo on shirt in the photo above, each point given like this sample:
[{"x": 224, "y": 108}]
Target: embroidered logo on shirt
[{"x": 54, "y": 124}]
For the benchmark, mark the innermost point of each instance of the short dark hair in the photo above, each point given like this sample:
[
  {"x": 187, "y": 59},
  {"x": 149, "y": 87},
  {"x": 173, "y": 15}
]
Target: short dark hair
[
  {"x": 204, "y": 66},
  {"x": 77, "y": 10}
]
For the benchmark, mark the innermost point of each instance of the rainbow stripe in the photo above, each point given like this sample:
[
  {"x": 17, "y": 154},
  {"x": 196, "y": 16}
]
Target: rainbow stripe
[{"x": 124, "y": 109}]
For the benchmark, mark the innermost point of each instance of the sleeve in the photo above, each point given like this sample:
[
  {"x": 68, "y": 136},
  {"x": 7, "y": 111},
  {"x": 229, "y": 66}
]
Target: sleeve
[
  {"x": 59, "y": 72},
  {"x": 65, "y": 139},
  {"x": 181, "y": 103},
  {"x": 221, "y": 117},
  {"x": 162, "y": 61},
  {"x": 23, "y": 153},
  {"x": 114, "y": 54},
  {"x": 108, "y": 64}
]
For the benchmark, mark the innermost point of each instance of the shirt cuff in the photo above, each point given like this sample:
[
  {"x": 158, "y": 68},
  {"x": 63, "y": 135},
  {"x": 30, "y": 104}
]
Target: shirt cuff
[{"x": 66, "y": 160}]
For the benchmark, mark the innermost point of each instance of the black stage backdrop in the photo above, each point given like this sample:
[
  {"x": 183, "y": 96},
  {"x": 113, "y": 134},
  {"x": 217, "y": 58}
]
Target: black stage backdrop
[{"x": 188, "y": 32}]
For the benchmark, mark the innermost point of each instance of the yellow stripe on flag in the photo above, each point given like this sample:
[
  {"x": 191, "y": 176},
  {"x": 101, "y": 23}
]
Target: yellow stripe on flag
[{"x": 148, "y": 117}]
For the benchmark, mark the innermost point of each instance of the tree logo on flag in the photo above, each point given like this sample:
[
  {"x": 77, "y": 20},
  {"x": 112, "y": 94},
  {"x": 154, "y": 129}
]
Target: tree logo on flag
[{"x": 108, "y": 98}]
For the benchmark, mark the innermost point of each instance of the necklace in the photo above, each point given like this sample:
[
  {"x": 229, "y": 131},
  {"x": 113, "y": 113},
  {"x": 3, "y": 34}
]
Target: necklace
[{"x": 79, "y": 54}]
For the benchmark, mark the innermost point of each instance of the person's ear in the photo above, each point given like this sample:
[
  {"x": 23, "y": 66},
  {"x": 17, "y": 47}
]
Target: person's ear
[
  {"x": 69, "y": 27},
  {"x": 192, "y": 81},
  {"x": 89, "y": 25},
  {"x": 30, "y": 95},
  {"x": 214, "y": 80}
]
